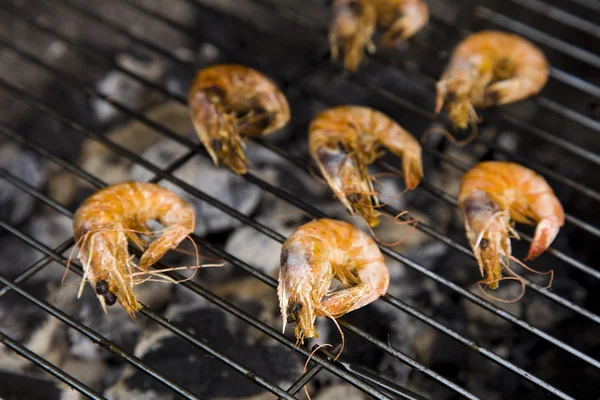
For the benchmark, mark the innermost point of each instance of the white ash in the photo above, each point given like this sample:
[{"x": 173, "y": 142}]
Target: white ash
[
  {"x": 201, "y": 173},
  {"x": 126, "y": 90},
  {"x": 15, "y": 204},
  {"x": 256, "y": 248}
]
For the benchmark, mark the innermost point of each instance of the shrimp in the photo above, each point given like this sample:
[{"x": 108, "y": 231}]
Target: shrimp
[
  {"x": 492, "y": 193},
  {"x": 311, "y": 257},
  {"x": 108, "y": 218},
  {"x": 354, "y": 23},
  {"x": 344, "y": 140},
  {"x": 228, "y": 102},
  {"x": 486, "y": 69}
]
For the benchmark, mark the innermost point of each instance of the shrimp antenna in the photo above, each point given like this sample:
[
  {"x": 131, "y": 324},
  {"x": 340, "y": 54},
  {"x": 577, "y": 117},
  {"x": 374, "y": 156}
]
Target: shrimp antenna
[
  {"x": 307, "y": 361},
  {"x": 514, "y": 277},
  {"x": 83, "y": 238},
  {"x": 522, "y": 264},
  {"x": 413, "y": 223},
  {"x": 450, "y": 137},
  {"x": 167, "y": 279}
]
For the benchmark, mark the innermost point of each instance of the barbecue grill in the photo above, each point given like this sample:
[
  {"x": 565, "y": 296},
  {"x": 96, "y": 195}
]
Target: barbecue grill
[{"x": 554, "y": 133}]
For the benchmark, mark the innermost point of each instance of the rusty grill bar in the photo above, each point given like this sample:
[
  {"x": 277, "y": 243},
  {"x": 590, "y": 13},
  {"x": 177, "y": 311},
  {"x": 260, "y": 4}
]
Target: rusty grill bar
[{"x": 290, "y": 14}]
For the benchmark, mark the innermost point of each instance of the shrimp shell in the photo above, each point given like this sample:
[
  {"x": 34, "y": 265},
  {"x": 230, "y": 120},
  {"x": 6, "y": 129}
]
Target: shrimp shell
[
  {"x": 486, "y": 69},
  {"x": 344, "y": 140},
  {"x": 311, "y": 257},
  {"x": 491, "y": 194},
  {"x": 229, "y": 102},
  {"x": 108, "y": 218}
]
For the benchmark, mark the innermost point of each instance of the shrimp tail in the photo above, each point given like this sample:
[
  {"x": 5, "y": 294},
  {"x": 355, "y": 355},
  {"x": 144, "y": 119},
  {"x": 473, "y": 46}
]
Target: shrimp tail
[
  {"x": 412, "y": 166},
  {"x": 545, "y": 233},
  {"x": 411, "y": 22}
]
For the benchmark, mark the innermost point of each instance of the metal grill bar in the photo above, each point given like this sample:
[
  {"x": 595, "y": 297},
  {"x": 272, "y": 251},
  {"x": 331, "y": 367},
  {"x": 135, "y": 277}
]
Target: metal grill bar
[
  {"x": 49, "y": 367},
  {"x": 539, "y": 36},
  {"x": 591, "y": 4},
  {"x": 560, "y": 15}
]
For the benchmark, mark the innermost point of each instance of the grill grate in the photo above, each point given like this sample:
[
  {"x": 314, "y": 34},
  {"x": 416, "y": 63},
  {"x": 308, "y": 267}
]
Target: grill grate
[{"x": 291, "y": 14}]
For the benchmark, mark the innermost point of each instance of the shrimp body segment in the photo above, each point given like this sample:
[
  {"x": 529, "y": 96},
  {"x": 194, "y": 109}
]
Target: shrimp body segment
[
  {"x": 311, "y": 257},
  {"x": 229, "y": 102},
  {"x": 486, "y": 69},
  {"x": 491, "y": 194},
  {"x": 105, "y": 222},
  {"x": 345, "y": 140},
  {"x": 354, "y": 23}
]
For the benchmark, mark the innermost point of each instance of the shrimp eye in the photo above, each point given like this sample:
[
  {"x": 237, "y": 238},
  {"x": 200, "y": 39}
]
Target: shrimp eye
[
  {"x": 484, "y": 243},
  {"x": 293, "y": 310},
  {"x": 110, "y": 298},
  {"x": 101, "y": 287},
  {"x": 353, "y": 197},
  {"x": 217, "y": 145}
]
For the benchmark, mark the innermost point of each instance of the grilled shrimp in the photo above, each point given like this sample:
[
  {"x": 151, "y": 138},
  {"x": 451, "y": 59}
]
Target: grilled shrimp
[
  {"x": 344, "y": 140},
  {"x": 107, "y": 219},
  {"x": 492, "y": 193},
  {"x": 487, "y": 69},
  {"x": 354, "y": 22},
  {"x": 229, "y": 102},
  {"x": 311, "y": 257}
]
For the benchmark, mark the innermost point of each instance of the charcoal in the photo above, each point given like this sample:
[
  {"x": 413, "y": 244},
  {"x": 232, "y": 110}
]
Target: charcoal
[
  {"x": 202, "y": 374},
  {"x": 19, "y": 387},
  {"x": 15, "y": 204},
  {"x": 30, "y": 325},
  {"x": 49, "y": 229}
]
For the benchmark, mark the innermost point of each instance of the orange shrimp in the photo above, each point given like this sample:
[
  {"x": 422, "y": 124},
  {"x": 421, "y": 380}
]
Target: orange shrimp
[
  {"x": 344, "y": 140},
  {"x": 228, "y": 102},
  {"x": 354, "y": 23},
  {"x": 107, "y": 219},
  {"x": 486, "y": 69},
  {"x": 492, "y": 193},
  {"x": 311, "y": 257}
]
